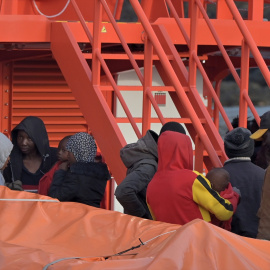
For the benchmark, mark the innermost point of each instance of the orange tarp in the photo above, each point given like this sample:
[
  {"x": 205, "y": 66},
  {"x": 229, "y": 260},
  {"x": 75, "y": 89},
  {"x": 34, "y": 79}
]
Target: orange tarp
[{"x": 38, "y": 232}]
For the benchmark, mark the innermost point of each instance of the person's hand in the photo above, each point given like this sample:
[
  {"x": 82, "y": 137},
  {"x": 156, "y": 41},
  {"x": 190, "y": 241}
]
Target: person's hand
[
  {"x": 15, "y": 185},
  {"x": 64, "y": 166}
]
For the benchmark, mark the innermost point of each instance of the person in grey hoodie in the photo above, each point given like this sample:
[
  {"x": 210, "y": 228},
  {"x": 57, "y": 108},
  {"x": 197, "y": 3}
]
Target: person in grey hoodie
[
  {"x": 5, "y": 149},
  {"x": 141, "y": 160}
]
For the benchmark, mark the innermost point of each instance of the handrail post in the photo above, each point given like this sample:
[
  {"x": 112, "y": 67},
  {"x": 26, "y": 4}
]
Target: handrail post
[
  {"x": 244, "y": 82},
  {"x": 148, "y": 75},
  {"x": 223, "y": 12},
  {"x": 216, "y": 109},
  {"x": 96, "y": 42},
  {"x": 255, "y": 10},
  {"x": 193, "y": 43},
  {"x": 199, "y": 148}
]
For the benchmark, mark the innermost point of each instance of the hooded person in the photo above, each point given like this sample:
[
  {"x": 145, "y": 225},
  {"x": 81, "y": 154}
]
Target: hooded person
[
  {"x": 5, "y": 150},
  {"x": 82, "y": 179},
  {"x": 31, "y": 156},
  {"x": 177, "y": 194},
  {"x": 245, "y": 176},
  {"x": 140, "y": 159}
]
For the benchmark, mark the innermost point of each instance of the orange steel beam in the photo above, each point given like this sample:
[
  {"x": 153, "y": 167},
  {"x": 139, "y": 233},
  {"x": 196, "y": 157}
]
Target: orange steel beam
[
  {"x": 6, "y": 100},
  {"x": 18, "y": 31},
  {"x": 245, "y": 54},
  {"x": 194, "y": 11},
  {"x": 148, "y": 76},
  {"x": 89, "y": 97},
  {"x": 223, "y": 11},
  {"x": 24, "y": 28},
  {"x": 255, "y": 9},
  {"x": 60, "y": 10},
  {"x": 96, "y": 42},
  {"x": 133, "y": 32},
  {"x": 154, "y": 9}
]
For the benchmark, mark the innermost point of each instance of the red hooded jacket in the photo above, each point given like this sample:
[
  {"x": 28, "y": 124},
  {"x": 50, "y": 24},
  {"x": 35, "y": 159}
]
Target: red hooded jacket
[{"x": 177, "y": 194}]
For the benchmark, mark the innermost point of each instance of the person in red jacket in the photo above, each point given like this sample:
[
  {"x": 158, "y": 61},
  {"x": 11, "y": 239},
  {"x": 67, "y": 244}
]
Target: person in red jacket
[
  {"x": 177, "y": 194},
  {"x": 220, "y": 182},
  {"x": 62, "y": 155}
]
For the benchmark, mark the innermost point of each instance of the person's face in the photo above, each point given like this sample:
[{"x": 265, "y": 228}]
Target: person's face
[
  {"x": 6, "y": 163},
  {"x": 62, "y": 152},
  {"x": 71, "y": 158},
  {"x": 25, "y": 143}
]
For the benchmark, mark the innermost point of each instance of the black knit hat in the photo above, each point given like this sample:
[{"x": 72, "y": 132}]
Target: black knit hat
[
  {"x": 172, "y": 126},
  {"x": 237, "y": 143}
]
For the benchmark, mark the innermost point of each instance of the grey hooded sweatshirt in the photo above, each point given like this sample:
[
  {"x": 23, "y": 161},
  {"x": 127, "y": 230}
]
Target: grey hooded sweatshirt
[{"x": 141, "y": 159}]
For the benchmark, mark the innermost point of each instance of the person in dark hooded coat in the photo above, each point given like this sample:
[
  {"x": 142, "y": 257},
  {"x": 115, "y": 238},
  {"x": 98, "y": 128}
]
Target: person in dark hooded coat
[
  {"x": 247, "y": 177},
  {"x": 31, "y": 156},
  {"x": 81, "y": 179}
]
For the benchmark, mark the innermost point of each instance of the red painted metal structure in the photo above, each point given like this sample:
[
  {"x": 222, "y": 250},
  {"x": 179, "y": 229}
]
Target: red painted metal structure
[{"x": 60, "y": 60}]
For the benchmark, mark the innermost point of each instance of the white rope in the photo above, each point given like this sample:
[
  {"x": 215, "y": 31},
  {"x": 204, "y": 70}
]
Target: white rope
[
  {"x": 60, "y": 260},
  {"x": 158, "y": 236},
  {"x": 51, "y": 16},
  {"x": 72, "y": 258},
  {"x": 29, "y": 200}
]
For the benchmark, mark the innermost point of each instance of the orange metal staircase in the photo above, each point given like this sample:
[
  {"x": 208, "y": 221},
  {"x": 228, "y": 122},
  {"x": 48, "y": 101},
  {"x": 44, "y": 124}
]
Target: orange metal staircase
[{"x": 77, "y": 55}]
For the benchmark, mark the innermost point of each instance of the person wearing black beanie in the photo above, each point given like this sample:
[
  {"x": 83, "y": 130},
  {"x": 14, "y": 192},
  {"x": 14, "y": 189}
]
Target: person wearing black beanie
[
  {"x": 172, "y": 126},
  {"x": 245, "y": 176},
  {"x": 238, "y": 143}
]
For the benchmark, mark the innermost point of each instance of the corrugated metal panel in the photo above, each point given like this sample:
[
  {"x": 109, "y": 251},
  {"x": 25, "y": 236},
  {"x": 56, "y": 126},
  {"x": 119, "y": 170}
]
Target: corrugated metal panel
[{"x": 39, "y": 89}]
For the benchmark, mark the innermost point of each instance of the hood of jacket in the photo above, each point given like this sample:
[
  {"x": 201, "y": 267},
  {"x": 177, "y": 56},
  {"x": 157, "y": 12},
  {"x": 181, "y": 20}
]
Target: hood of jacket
[
  {"x": 174, "y": 152},
  {"x": 36, "y": 130},
  {"x": 144, "y": 148}
]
